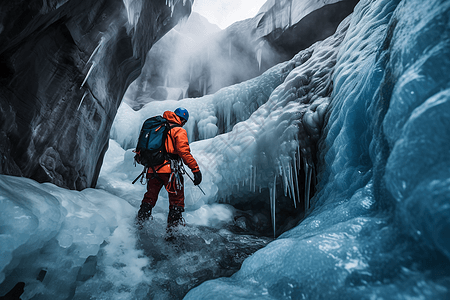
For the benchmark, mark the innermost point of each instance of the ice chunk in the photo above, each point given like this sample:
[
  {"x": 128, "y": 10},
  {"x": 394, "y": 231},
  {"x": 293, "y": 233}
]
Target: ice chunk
[{"x": 48, "y": 228}]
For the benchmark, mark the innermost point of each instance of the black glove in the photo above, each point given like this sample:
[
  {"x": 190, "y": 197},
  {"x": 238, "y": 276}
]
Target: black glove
[{"x": 197, "y": 177}]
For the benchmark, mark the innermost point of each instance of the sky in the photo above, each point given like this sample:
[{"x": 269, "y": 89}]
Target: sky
[{"x": 225, "y": 12}]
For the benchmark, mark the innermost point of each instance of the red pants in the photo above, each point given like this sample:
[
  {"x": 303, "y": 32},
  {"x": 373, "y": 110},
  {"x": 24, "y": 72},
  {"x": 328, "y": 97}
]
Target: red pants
[{"x": 155, "y": 184}]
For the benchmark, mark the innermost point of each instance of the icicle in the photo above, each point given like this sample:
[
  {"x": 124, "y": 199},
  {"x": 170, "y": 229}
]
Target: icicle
[
  {"x": 250, "y": 187},
  {"x": 284, "y": 177},
  {"x": 133, "y": 11},
  {"x": 291, "y": 181},
  {"x": 308, "y": 172},
  {"x": 272, "y": 196},
  {"x": 271, "y": 201},
  {"x": 309, "y": 185},
  {"x": 204, "y": 88},
  {"x": 259, "y": 58},
  {"x": 95, "y": 50},
  {"x": 170, "y": 4},
  {"x": 87, "y": 75},
  {"x": 145, "y": 86},
  {"x": 306, "y": 179},
  {"x": 286, "y": 181},
  {"x": 254, "y": 180},
  {"x": 296, "y": 178},
  {"x": 287, "y": 177},
  {"x": 82, "y": 98}
]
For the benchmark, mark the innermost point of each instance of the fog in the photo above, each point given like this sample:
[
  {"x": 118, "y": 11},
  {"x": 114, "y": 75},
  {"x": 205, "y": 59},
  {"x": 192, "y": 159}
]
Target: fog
[{"x": 197, "y": 58}]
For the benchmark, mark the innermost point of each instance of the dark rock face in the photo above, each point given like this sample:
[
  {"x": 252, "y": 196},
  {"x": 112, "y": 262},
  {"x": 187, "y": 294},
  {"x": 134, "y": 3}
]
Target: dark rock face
[
  {"x": 294, "y": 25},
  {"x": 65, "y": 66}
]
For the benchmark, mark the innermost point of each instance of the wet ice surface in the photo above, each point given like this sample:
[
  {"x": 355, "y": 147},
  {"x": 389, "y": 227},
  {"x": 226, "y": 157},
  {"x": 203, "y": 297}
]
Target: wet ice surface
[{"x": 196, "y": 254}]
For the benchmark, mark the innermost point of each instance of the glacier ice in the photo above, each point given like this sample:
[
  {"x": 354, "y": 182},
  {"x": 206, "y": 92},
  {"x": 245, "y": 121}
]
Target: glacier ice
[
  {"x": 379, "y": 221},
  {"x": 377, "y": 225}
]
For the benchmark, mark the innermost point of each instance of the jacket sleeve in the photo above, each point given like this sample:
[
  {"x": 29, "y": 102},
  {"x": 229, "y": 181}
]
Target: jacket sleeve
[{"x": 183, "y": 150}]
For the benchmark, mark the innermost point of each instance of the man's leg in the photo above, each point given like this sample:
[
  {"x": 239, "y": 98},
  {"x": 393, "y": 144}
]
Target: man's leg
[
  {"x": 176, "y": 206},
  {"x": 154, "y": 185}
]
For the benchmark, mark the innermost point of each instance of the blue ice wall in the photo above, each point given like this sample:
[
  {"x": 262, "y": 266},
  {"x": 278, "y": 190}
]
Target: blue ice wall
[{"x": 379, "y": 227}]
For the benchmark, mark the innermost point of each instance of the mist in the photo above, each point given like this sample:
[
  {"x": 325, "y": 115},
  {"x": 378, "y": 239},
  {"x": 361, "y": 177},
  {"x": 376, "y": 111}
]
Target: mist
[{"x": 197, "y": 58}]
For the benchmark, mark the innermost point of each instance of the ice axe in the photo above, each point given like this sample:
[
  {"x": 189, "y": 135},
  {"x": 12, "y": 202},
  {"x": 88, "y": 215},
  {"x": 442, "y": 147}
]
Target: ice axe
[{"x": 193, "y": 181}]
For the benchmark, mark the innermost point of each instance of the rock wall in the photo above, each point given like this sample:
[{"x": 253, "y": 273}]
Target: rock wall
[{"x": 65, "y": 66}]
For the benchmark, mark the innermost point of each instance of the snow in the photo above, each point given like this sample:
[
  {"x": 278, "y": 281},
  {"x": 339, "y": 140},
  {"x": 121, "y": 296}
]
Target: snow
[
  {"x": 56, "y": 230},
  {"x": 374, "y": 96}
]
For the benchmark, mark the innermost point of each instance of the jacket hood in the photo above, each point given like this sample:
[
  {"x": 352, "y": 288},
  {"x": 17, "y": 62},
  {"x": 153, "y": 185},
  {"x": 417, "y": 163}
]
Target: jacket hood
[{"x": 172, "y": 117}]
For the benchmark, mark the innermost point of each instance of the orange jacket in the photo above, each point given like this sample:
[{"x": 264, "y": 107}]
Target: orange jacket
[{"x": 177, "y": 143}]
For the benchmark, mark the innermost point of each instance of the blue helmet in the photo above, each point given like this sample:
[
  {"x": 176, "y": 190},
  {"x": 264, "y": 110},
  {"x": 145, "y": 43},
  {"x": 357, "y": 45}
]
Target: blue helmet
[{"x": 182, "y": 113}]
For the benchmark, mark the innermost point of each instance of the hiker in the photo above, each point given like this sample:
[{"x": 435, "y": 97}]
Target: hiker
[{"x": 169, "y": 174}]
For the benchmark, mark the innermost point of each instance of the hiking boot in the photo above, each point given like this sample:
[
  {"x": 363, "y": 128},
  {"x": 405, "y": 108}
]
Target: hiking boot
[
  {"x": 175, "y": 216},
  {"x": 174, "y": 219},
  {"x": 144, "y": 213}
]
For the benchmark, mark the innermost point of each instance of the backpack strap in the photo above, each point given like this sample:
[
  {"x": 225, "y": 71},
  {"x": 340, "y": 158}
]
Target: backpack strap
[{"x": 170, "y": 155}]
